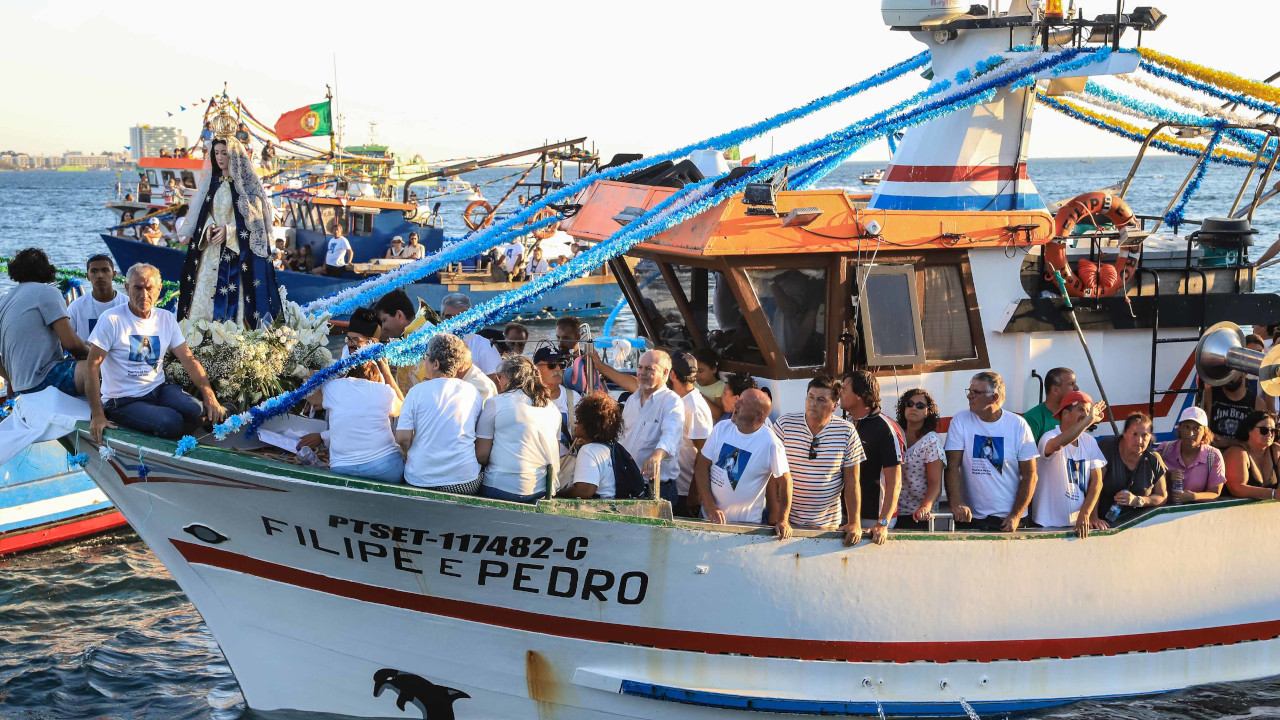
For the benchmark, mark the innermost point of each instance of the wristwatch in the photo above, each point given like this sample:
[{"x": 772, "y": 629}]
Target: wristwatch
[{"x": 882, "y": 522}]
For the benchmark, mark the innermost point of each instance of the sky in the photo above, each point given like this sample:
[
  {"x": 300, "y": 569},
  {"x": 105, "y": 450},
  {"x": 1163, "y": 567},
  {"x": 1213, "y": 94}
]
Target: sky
[{"x": 456, "y": 79}]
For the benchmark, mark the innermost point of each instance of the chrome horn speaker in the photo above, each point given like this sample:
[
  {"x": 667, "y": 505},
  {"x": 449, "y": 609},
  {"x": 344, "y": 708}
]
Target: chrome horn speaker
[{"x": 1221, "y": 357}]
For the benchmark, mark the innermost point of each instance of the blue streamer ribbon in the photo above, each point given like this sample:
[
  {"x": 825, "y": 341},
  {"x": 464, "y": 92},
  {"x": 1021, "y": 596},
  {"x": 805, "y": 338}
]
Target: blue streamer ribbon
[
  {"x": 1233, "y": 97},
  {"x": 1177, "y": 215}
]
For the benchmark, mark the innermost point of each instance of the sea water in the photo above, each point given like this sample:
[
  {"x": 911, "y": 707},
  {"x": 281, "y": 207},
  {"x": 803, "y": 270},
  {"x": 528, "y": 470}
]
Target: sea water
[{"x": 100, "y": 630}]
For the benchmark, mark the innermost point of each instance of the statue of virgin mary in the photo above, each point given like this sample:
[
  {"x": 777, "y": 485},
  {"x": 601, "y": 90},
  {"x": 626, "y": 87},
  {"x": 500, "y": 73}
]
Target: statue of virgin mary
[{"x": 228, "y": 274}]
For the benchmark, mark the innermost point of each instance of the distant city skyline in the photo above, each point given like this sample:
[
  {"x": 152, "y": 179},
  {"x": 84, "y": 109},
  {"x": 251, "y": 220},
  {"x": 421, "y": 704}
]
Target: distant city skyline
[{"x": 509, "y": 84}]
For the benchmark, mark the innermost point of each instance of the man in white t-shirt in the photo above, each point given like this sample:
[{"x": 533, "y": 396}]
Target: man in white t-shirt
[
  {"x": 85, "y": 310},
  {"x": 338, "y": 254},
  {"x": 483, "y": 353},
  {"x": 512, "y": 257},
  {"x": 437, "y": 427},
  {"x": 1070, "y": 465},
  {"x": 742, "y": 464},
  {"x": 991, "y": 460},
  {"x": 125, "y": 381},
  {"x": 653, "y": 424},
  {"x": 538, "y": 265}
]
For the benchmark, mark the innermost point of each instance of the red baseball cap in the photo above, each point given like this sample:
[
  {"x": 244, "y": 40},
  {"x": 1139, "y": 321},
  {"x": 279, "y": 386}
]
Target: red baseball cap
[{"x": 1073, "y": 397}]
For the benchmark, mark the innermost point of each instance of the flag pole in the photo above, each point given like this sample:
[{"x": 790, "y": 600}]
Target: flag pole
[{"x": 328, "y": 96}]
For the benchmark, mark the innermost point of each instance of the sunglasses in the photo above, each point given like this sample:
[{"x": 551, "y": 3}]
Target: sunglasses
[
  {"x": 553, "y": 365},
  {"x": 919, "y": 405},
  {"x": 813, "y": 449},
  {"x": 971, "y": 392},
  {"x": 1266, "y": 431}
]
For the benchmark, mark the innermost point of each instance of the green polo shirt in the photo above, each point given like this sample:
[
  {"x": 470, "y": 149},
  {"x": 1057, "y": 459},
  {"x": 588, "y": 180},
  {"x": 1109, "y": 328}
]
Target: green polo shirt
[{"x": 1041, "y": 421}]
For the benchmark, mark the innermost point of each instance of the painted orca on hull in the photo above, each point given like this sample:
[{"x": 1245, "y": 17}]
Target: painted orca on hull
[{"x": 435, "y": 701}]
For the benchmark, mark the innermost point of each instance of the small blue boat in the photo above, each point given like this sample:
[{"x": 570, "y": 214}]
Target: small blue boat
[{"x": 45, "y": 501}]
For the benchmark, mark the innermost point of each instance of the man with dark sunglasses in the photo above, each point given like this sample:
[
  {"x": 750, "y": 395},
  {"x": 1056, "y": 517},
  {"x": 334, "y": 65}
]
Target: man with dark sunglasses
[
  {"x": 824, "y": 453},
  {"x": 550, "y": 364}
]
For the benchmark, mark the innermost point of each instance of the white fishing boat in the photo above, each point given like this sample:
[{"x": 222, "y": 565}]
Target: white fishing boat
[{"x": 330, "y": 594}]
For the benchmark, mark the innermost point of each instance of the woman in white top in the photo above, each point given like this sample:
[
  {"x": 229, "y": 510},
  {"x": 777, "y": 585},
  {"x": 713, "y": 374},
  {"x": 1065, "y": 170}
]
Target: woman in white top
[
  {"x": 599, "y": 424},
  {"x": 360, "y": 440},
  {"x": 438, "y": 422},
  {"x": 922, "y": 466},
  {"x": 516, "y": 436}
]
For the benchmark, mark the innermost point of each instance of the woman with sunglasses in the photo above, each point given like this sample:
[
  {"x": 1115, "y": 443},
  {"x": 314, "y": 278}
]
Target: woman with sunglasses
[
  {"x": 1253, "y": 468},
  {"x": 1195, "y": 465},
  {"x": 922, "y": 466}
]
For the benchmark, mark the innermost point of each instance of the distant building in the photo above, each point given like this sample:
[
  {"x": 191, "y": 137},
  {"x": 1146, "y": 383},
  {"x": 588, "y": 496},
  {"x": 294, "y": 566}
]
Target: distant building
[
  {"x": 149, "y": 140},
  {"x": 93, "y": 162},
  {"x": 22, "y": 161}
]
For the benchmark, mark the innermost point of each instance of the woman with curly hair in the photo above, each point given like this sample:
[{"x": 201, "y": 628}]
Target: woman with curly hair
[
  {"x": 599, "y": 422},
  {"x": 922, "y": 467}
]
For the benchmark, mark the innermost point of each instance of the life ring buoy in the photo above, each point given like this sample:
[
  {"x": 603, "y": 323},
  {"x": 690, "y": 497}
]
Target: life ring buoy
[
  {"x": 545, "y": 232},
  {"x": 1092, "y": 279},
  {"x": 475, "y": 220}
]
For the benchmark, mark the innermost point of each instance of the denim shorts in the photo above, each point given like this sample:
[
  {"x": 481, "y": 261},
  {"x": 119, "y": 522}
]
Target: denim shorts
[{"x": 61, "y": 376}]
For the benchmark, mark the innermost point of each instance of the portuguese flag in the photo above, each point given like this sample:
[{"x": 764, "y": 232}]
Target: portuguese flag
[{"x": 309, "y": 120}]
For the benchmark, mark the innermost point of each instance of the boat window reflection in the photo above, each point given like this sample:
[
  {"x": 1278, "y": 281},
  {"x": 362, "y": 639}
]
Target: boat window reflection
[
  {"x": 733, "y": 338},
  {"x": 661, "y": 308},
  {"x": 795, "y": 303},
  {"x": 945, "y": 316},
  {"x": 890, "y": 316}
]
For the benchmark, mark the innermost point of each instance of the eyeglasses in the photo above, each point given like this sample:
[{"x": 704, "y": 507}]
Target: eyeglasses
[
  {"x": 971, "y": 392},
  {"x": 813, "y": 449},
  {"x": 918, "y": 405},
  {"x": 1266, "y": 431}
]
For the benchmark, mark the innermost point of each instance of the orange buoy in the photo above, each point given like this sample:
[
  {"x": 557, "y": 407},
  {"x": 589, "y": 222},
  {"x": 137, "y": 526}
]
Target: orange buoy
[
  {"x": 477, "y": 214},
  {"x": 545, "y": 232},
  {"x": 1093, "y": 279}
]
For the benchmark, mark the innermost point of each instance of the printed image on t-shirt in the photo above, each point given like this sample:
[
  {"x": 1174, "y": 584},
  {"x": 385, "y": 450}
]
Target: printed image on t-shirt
[
  {"x": 988, "y": 455},
  {"x": 144, "y": 349},
  {"x": 734, "y": 462},
  {"x": 1077, "y": 479}
]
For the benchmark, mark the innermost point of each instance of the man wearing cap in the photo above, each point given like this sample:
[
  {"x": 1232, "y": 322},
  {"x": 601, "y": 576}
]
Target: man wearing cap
[
  {"x": 397, "y": 251},
  {"x": 1043, "y": 417},
  {"x": 1193, "y": 461},
  {"x": 1070, "y": 465},
  {"x": 152, "y": 234}
]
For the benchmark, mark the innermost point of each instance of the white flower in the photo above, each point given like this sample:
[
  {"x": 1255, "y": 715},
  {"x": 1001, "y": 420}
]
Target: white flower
[{"x": 194, "y": 338}]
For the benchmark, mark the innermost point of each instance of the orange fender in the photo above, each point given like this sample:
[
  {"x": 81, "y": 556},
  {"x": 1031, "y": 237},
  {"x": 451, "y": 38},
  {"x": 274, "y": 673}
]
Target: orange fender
[{"x": 475, "y": 220}]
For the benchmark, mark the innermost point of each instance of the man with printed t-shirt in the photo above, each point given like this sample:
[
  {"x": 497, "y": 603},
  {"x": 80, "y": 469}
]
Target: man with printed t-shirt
[
  {"x": 338, "y": 254},
  {"x": 1070, "y": 466},
  {"x": 742, "y": 464},
  {"x": 125, "y": 381},
  {"x": 991, "y": 460},
  {"x": 86, "y": 309}
]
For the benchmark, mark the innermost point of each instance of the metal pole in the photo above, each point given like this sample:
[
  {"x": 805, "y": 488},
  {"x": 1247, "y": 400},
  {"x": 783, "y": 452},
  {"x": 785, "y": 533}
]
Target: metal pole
[{"x": 1071, "y": 312}]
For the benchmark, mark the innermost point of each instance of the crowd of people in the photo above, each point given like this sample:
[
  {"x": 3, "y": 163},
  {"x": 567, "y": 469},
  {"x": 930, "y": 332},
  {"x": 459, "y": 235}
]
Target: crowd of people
[{"x": 506, "y": 417}]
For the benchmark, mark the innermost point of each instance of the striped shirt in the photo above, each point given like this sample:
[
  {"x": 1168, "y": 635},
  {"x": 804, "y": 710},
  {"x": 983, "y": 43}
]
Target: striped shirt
[{"x": 816, "y": 484}]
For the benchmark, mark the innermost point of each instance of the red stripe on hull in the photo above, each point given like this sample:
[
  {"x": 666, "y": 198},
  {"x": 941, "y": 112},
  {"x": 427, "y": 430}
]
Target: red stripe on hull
[
  {"x": 954, "y": 173},
  {"x": 63, "y": 531},
  {"x": 712, "y": 643}
]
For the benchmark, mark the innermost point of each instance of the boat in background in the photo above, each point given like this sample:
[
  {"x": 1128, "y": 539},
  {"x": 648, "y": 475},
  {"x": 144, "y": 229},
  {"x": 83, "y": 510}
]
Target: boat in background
[
  {"x": 45, "y": 501},
  {"x": 872, "y": 177}
]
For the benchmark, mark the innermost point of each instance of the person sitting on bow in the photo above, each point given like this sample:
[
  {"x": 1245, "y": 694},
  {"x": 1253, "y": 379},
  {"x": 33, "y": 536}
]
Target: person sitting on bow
[{"x": 125, "y": 382}]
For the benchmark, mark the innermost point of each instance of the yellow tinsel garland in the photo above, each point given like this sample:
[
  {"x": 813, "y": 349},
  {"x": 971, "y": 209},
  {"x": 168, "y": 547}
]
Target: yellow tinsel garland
[
  {"x": 1138, "y": 130},
  {"x": 1222, "y": 79}
]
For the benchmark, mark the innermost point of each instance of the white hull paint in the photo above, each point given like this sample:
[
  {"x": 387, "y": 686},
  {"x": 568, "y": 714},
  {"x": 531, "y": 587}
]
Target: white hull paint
[{"x": 715, "y": 618}]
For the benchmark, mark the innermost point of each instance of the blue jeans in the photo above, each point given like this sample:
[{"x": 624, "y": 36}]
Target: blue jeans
[
  {"x": 61, "y": 376},
  {"x": 496, "y": 494},
  {"x": 163, "y": 412},
  {"x": 388, "y": 469}
]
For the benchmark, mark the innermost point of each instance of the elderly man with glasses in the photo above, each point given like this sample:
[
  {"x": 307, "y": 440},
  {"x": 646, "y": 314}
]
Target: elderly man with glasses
[{"x": 991, "y": 460}]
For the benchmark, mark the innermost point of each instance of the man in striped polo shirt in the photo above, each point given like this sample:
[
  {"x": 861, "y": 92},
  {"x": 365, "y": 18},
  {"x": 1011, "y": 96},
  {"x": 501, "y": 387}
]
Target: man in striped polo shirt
[{"x": 823, "y": 452}]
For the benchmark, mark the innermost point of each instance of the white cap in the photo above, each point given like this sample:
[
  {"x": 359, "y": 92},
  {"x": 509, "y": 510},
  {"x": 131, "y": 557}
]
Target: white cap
[
  {"x": 397, "y": 239},
  {"x": 1196, "y": 414}
]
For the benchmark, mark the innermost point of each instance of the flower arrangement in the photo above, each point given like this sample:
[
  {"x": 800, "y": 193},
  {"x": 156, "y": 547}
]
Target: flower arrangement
[{"x": 247, "y": 366}]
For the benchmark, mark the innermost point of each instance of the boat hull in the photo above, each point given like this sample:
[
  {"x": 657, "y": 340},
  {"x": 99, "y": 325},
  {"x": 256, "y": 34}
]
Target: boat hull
[
  {"x": 316, "y": 585},
  {"x": 44, "y": 501},
  {"x": 592, "y": 296}
]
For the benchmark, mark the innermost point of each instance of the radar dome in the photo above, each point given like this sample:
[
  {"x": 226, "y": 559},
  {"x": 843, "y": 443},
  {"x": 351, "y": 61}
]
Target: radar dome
[{"x": 915, "y": 13}]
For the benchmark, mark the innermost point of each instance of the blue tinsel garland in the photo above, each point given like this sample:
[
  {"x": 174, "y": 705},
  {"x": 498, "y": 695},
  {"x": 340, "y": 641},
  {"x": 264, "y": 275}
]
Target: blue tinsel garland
[
  {"x": 363, "y": 294},
  {"x": 677, "y": 208},
  {"x": 185, "y": 445},
  {"x": 1176, "y": 215},
  {"x": 1160, "y": 113}
]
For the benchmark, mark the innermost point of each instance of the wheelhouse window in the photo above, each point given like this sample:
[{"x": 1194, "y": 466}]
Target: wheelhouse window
[
  {"x": 188, "y": 180},
  {"x": 362, "y": 223},
  {"x": 731, "y": 337},
  {"x": 660, "y": 307},
  {"x": 794, "y": 301},
  {"x": 890, "y": 314},
  {"x": 945, "y": 322},
  {"x": 327, "y": 216}
]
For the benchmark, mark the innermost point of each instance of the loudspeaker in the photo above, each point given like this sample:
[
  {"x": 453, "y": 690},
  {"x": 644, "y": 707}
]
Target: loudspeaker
[{"x": 1221, "y": 357}]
